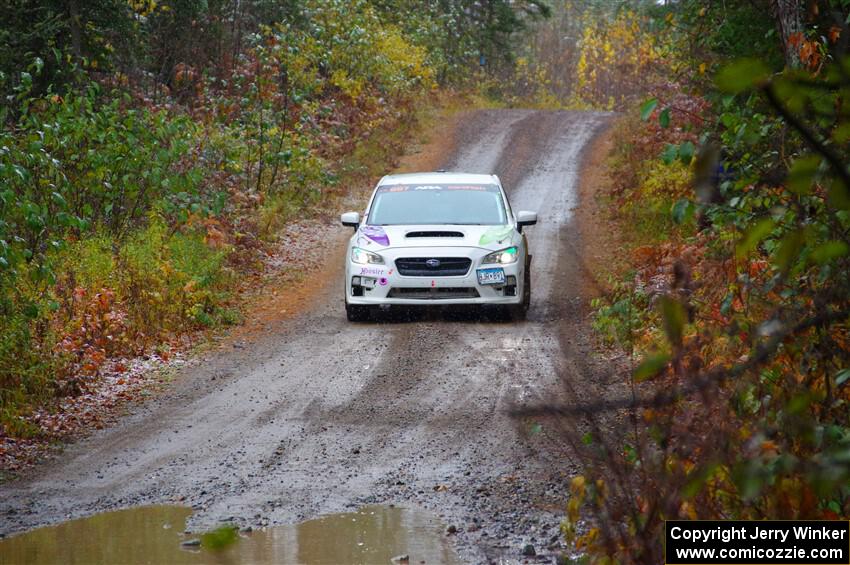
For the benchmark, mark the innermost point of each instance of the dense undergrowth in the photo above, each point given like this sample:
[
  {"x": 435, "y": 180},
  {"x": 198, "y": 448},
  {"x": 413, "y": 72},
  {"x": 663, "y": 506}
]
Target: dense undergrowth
[
  {"x": 730, "y": 190},
  {"x": 151, "y": 151},
  {"x": 149, "y": 157}
]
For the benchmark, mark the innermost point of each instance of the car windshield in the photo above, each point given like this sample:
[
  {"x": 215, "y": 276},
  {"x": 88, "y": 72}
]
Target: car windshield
[{"x": 459, "y": 204}]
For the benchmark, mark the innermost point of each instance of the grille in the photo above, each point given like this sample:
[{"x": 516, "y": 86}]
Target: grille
[
  {"x": 434, "y": 293},
  {"x": 447, "y": 267},
  {"x": 434, "y": 234}
]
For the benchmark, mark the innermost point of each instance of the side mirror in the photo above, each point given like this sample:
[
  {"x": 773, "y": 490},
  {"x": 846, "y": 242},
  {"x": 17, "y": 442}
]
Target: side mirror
[
  {"x": 350, "y": 219},
  {"x": 525, "y": 218}
]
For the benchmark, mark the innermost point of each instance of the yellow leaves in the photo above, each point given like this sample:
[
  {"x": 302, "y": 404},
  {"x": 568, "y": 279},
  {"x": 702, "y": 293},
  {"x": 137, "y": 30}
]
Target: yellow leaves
[
  {"x": 402, "y": 61},
  {"x": 588, "y": 539},
  {"x": 577, "y": 495},
  {"x": 687, "y": 511},
  {"x": 702, "y": 68},
  {"x": 744, "y": 433},
  {"x": 144, "y": 7},
  {"x": 601, "y": 490},
  {"x": 350, "y": 86},
  {"x": 663, "y": 182},
  {"x": 612, "y": 52},
  {"x": 578, "y": 486},
  {"x": 573, "y": 509}
]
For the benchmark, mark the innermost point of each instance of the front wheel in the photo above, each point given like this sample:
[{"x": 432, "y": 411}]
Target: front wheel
[
  {"x": 356, "y": 312},
  {"x": 526, "y": 285},
  {"x": 520, "y": 311}
]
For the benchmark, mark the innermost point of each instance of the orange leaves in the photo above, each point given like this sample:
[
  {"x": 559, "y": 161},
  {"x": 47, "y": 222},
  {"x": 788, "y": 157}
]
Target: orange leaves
[
  {"x": 644, "y": 253},
  {"x": 215, "y": 237},
  {"x": 796, "y": 39},
  {"x": 834, "y": 34},
  {"x": 793, "y": 498},
  {"x": 810, "y": 51},
  {"x": 840, "y": 336},
  {"x": 769, "y": 448},
  {"x": 757, "y": 267},
  {"x": 96, "y": 330},
  {"x": 810, "y": 54}
]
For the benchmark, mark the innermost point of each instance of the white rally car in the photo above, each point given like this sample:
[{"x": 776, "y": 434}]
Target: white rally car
[{"x": 437, "y": 238}]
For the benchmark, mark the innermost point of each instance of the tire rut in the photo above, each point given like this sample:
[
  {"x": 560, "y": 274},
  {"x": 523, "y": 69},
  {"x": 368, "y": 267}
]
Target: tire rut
[{"x": 322, "y": 416}]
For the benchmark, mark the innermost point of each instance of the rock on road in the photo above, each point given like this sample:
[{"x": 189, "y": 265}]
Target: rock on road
[{"x": 321, "y": 415}]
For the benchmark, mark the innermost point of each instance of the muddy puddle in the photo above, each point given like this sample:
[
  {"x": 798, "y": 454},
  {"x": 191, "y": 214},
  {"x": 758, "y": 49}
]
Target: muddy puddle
[{"x": 154, "y": 534}]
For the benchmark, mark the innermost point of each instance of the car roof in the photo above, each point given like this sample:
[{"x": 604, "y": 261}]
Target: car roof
[{"x": 440, "y": 177}]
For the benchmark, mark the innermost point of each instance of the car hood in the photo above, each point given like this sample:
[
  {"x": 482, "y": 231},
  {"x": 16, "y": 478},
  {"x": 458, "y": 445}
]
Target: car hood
[{"x": 375, "y": 238}]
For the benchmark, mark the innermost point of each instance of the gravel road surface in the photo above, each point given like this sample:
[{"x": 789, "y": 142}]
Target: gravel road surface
[{"x": 320, "y": 415}]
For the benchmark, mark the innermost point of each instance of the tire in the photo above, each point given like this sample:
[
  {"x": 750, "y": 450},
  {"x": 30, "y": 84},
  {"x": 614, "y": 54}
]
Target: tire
[
  {"x": 526, "y": 285},
  {"x": 356, "y": 312},
  {"x": 520, "y": 311}
]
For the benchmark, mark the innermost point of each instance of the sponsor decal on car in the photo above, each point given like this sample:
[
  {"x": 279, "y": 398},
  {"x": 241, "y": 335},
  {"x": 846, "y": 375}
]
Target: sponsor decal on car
[
  {"x": 411, "y": 187},
  {"x": 372, "y": 271},
  {"x": 496, "y": 233},
  {"x": 376, "y": 234}
]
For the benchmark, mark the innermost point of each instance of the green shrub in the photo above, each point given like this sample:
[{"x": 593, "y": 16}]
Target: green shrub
[
  {"x": 75, "y": 165},
  {"x": 26, "y": 379},
  {"x": 661, "y": 186},
  {"x": 121, "y": 214},
  {"x": 619, "y": 317}
]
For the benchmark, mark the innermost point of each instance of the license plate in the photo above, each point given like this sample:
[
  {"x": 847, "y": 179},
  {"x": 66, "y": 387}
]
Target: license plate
[{"x": 491, "y": 276}]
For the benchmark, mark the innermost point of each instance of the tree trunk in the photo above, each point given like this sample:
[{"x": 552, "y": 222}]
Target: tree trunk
[
  {"x": 75, "y": 25},
  {"x": 789, "y": 22}
]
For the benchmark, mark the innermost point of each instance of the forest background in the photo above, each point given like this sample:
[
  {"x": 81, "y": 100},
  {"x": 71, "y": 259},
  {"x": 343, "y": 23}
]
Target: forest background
[{"x": 151, "y": 152}]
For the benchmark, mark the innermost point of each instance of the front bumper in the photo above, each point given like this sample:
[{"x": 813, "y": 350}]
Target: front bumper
[{"x": 384, "y": 285}]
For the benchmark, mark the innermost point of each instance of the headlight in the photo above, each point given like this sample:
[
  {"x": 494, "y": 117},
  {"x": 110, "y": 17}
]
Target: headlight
[
  {"x": 363, "y": 257},
  {"x": 503, "y": 257}
]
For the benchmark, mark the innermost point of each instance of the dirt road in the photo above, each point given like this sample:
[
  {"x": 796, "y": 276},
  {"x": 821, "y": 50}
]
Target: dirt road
[{"x": 321, "y": 415}]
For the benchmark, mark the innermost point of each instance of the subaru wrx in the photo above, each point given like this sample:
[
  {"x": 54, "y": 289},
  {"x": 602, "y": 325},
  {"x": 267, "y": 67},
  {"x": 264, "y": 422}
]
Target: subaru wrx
[{"x": 438, "y": 238}]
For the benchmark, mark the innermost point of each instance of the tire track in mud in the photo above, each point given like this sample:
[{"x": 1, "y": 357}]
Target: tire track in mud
[{"x": 322, "y": 415}]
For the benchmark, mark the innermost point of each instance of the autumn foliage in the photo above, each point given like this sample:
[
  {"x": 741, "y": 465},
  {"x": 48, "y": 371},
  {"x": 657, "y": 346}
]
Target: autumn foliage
[
  {"x": 152, "y": 150},
  {"x": 729, "y": 185}
]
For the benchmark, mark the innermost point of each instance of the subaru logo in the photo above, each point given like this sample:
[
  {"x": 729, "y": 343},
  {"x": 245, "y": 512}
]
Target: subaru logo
[{"x": 433, "y": 263}]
